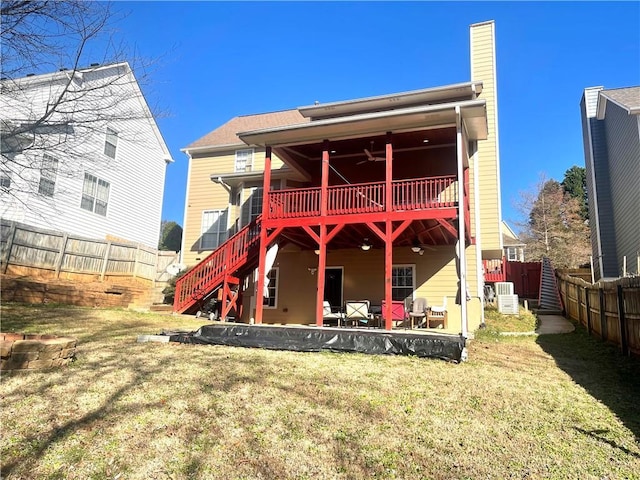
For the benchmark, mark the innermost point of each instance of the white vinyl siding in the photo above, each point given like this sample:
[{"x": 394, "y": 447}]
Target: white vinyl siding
[
  {"x": 244, "y": 160},
  {"x": 403, "y": 282},
  {"x": 48, "y": 173},
  {"x": 95, "y": 195},
  {"x": 111, "y": 143},
  {"x": 272, "y": 300},
  {"x": 214, "y": 229}
]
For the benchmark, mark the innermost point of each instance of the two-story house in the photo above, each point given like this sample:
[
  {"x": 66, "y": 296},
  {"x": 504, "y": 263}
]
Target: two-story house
[
  {"x": 82, "y": 154},
  {"x": 387, "y": 198},
  {"x": 611, "y": 134}
]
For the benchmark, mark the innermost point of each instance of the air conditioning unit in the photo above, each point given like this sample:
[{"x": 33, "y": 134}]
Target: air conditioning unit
[
  {"x": 504, "y": 288},
  {"x": 508, "y": 304}
]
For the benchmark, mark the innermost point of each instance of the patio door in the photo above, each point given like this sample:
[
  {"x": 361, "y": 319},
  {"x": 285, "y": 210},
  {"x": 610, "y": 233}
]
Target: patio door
[{"x": 333, "y": 286}]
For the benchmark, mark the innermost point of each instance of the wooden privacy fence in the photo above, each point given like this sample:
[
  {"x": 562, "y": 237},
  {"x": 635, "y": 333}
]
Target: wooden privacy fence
[
  {"x": 29, "y": 250},
  {"x": 609, "y": 310}
]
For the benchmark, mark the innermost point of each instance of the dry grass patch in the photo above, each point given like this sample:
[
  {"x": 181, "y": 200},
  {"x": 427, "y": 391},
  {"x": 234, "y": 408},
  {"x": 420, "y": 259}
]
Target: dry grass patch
[
  {"x": 497, "y": 322},
  {"x": 139, "y": 411}
]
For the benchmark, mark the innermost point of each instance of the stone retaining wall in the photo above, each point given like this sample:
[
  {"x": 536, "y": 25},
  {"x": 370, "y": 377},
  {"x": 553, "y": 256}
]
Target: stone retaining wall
[{"x": 20, "y": 351}]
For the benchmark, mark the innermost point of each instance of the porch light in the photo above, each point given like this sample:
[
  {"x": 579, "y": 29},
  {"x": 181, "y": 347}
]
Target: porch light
[
  {"x": 416, "y": 247},
  {"x": 317, "y": 252},
  {"x": 365, "y": 245}
]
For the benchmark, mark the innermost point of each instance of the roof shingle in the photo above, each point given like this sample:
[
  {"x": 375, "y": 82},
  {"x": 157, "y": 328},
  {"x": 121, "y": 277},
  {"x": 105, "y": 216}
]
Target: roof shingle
[
  {"x": 227, "y": 134},
  {"x": 628, "y": 97}
]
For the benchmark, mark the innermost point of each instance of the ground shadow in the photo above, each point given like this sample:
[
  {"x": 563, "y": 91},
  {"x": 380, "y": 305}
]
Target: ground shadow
[{"x": 601, "y": 370}]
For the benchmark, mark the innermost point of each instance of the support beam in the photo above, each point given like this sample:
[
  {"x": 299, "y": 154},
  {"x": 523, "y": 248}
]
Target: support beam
[
  {"x": 262, "y": 256},
  {"x": 388, "y": 273},
  {"x": 322, "y": 264}
]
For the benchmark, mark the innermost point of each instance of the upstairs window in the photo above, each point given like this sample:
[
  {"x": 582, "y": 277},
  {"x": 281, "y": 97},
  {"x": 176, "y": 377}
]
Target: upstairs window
[
  {"x": 214, "y": 229},
  {"x": 95, "y": 195},
  {"x": 110, "y": 143},
  {"x": 244, "y": 160},
  {"x": 512, "y": 254},
  {"x": 48, "y": 173}
]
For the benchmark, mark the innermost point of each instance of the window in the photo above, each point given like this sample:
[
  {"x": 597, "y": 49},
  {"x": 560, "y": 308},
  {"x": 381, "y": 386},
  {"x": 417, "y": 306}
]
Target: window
[
  {"x": 244, "y": 160},
  {"x": 256, "y": 203},
  {"x": 48, "y": 175},
  {"x": 272, "y": 300},
  {"x": 512, "y": 254},
  {"x": 95, "y": 195},
  {"x": 5, "y": 180},
  {"x": 402, "y": 282},
  {"x": 110, "y": 143},
  {"x": 214, "y": 229}
]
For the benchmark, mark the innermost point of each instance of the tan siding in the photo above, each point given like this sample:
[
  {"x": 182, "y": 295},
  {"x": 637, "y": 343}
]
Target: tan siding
[
  {"x": 206, "y": 195},
  {"x": 482, "y": 68}
]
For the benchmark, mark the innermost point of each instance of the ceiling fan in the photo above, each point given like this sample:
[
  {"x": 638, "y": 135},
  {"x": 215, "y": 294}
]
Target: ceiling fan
[{"x": 371, "y": 157}]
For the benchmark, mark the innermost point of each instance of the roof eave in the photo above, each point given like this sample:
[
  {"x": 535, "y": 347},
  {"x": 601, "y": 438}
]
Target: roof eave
[
  {"x": 422, "y": 96},
  {"x": 423, "y": 117}
]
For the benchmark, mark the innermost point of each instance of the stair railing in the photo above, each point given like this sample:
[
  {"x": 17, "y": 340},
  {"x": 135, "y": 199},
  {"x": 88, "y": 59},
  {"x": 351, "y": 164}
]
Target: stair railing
[{"x": 198, "y": 282}]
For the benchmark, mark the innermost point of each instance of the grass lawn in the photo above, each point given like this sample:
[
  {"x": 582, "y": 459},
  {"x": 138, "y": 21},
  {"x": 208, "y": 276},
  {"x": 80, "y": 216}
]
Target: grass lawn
[{"x": 558, "y": 407}]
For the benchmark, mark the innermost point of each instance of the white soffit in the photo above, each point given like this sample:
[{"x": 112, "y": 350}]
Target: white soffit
[{"x": 406, "y": 119}]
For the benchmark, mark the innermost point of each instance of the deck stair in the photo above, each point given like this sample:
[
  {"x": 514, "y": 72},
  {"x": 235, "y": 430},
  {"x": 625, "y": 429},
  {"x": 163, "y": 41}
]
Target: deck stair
[
  {"x": 549, "y": 301},
  {"x": 223, "y": 267}
]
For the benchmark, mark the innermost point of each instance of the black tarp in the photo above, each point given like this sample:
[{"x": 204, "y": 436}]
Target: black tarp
[{"x": 313, "y": 339}]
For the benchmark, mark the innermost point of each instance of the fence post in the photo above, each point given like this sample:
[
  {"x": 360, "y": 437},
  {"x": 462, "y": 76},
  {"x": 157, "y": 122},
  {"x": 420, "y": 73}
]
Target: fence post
[
  {"x": 603, "y": 315},
  {"x": 135, "y": 263},
  {"x": 60, "y": 259},
  {"x": 622, "y": 322},
  {"x": 105, "y": 261},
  {"x": 587, "y": 305},
  {"x": 12, "y": 234},
  {"x": 579, "y": 303}
]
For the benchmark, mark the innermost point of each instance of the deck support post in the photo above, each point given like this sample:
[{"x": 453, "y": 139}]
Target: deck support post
[
  {"x": 322, "y": 243},
  {"x": 461, "y": 243},
  {"x": 322, "y": 264},
  {"x": 262, "y": 256},
  {"x": 388, "y": 235}
]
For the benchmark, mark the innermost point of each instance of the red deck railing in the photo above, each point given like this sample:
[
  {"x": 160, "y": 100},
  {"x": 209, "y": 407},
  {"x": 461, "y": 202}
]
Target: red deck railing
[
  {"x": 207, "y": 275},
  {"x": 415, "y": 194}
]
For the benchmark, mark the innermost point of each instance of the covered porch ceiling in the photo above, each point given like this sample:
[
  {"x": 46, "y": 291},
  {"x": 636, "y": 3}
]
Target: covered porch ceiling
[
  {"x": 306, "y": 158},
  {"x": 417, "y": 128},
  {"x": 426, "y": 234}
]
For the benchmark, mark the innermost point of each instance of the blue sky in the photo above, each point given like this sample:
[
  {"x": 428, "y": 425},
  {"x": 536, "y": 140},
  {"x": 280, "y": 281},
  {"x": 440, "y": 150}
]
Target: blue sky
[{"x": 216, "y": 60}]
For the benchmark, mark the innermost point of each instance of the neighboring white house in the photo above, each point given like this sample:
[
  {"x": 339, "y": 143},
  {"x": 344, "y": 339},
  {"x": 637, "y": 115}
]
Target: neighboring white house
[{"x": 95, "y": 167}]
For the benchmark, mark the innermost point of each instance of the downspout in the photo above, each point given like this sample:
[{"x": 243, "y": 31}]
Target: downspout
[
  {"x": 462, "y": 257},
  {"x": 476, "y": 206}
]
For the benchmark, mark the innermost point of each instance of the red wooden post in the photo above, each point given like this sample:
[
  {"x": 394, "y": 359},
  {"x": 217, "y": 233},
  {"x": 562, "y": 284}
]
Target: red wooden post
[
  {"x": 389, "y": 174},
  {"x": 324, "y": 183},
  {"x": 322, "y": 257},
  {"x": 388, "y": 272},
  {"x": 263, "y": 236},
  {"x": 322, "y": 263}
]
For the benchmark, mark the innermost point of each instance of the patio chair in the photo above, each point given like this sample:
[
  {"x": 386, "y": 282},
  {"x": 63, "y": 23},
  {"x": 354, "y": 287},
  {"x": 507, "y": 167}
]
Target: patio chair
[
  {"x": 438, "y": 313},
  {"x": 398, "y": 313},
  {"x": 329, "y": 317},
  {"x": 357, "y": 312},
  {"x": 418, "y": 312}
]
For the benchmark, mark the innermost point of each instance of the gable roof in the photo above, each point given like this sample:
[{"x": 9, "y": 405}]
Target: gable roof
[
  {"x": 626, "y": 98},
  {"x": 227, "y": 134}
]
